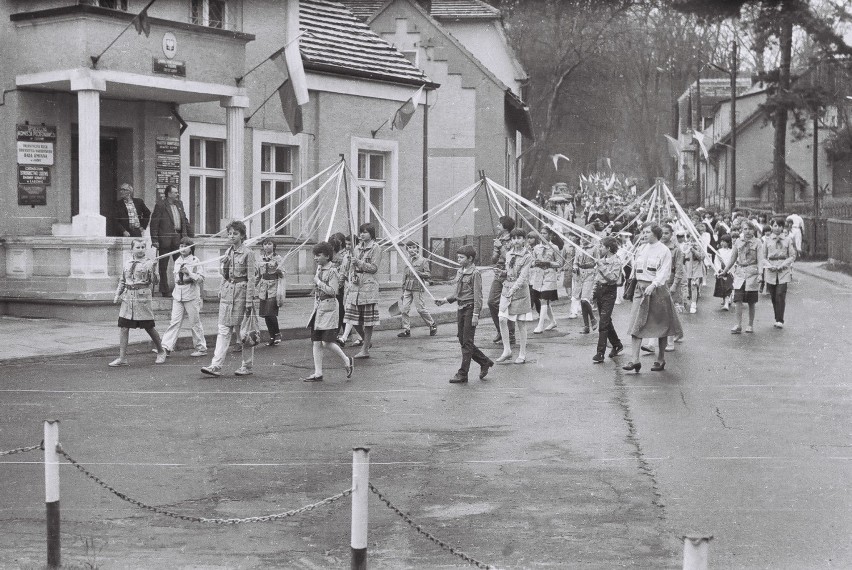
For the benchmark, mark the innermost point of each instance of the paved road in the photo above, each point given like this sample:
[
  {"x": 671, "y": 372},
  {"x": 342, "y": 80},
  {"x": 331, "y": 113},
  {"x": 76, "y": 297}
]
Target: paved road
[{"x": 556, "y": 463}]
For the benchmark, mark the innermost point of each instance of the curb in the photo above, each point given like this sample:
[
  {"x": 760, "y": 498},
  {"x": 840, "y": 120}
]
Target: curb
[
  {"x": 185, "y": 342},
  {"x": 818, "y": 275}
]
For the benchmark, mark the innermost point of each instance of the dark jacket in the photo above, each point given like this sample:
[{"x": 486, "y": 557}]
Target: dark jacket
[
  {"x": 122, "y": 220},
  {"x": 163, "y": 224}
]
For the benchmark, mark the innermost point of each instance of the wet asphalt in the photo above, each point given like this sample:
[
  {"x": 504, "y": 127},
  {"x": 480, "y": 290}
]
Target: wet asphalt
[{"x": 556, "y": 463}]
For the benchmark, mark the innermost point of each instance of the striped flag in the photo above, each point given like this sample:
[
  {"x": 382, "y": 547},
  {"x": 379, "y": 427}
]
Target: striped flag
[
  {"x": 404, "y": 113},
  {"x": 294, "y": 91}
]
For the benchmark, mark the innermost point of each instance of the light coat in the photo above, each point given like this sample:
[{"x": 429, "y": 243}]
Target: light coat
[{"x": 325, "y": 315}]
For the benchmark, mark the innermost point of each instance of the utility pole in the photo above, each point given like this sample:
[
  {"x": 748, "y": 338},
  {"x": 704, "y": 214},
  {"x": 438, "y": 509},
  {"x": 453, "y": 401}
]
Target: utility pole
[
  {"x": 698, "y": 127},
  {"x": 733, "y": 71},
  {"x": 816, "y": 167}
]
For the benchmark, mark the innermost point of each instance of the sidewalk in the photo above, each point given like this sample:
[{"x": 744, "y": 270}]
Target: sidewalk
[{"x": 818, "y": 269}]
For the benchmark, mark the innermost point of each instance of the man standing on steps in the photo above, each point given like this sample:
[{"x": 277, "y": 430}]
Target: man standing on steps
[
  {"x": 168, "y": 225},
  {"x": 498, "y": 260}
]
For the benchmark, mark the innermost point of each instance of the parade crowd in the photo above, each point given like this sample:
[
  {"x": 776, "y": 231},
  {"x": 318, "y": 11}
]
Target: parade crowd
[{"x": 662, "y": 265}]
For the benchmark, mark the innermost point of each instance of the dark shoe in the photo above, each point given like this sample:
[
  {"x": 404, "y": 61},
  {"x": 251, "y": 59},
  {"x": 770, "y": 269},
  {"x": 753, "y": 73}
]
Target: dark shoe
[
  {"x": 483, "y": 370},
  {"x": 340, "y": 342},
  {"x": 404, "y": 334},
  {"x": 361, "y": 355},
  {"x": 458, "y": 379},
  {"x": 433, "y": 330},
  {"x": 630, "y": 366},
  {"x": 598, "y": 358},
  {"x": 585, "y": 330},
  {"x": 274, "y": 340},
  {"x": 647, "y": 349},
  {"x": 497, "y": 340},
  {"x": 594, "y": 324},
  {"x": 238, "y": 348},
  {"x": 616, "y": 350},
  {"x": 658, "y": 366},
  {"x": 350, "y": 368},
  {"x": 312, "y": 378}
]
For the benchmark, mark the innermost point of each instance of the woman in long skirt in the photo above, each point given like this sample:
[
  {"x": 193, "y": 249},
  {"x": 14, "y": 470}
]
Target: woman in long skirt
[{"x": 653, "y": 314}]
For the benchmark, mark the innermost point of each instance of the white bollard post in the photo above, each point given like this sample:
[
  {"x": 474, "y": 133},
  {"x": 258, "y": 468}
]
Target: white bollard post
[
  {"x": 360, "y": 495},
  {"x": 695, "y": 551},
  {"x": 51, "y": 491}
]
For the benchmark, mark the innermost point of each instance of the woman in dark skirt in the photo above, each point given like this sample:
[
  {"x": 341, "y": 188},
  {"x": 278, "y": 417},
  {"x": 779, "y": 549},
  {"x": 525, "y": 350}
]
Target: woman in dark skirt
[
  {"x": 653, "y": 314},
  {"x": 135, "y": 287},
  {"x": 547, "y": 260}
]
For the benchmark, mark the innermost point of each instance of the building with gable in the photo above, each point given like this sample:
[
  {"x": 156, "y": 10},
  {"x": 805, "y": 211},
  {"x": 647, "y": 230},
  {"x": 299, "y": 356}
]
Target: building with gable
[
  {"x": 193, "y": 102},
  {"x": 477, "y": 120}
]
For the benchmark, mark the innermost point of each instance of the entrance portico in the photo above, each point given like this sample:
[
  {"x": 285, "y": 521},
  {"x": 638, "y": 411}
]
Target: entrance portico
[{"x": 91, "y": 86}]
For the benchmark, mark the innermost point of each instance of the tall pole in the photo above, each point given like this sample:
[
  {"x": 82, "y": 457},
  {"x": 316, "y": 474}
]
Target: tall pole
[
  {"x": 699, "y": 126},
  {"x": 734, "y": 125},
  {"x": 816, "y": 167},
  {"x": 426, "y": 169},
  {"x": 360, "y": 494}
]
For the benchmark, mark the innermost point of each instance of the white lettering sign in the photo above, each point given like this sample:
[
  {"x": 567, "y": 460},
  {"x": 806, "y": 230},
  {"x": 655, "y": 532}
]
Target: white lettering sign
[{"x": 35, "y": 153}]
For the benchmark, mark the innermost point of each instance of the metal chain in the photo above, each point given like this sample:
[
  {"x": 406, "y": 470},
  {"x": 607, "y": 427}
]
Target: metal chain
[
  {"x": 159, "y": 511},
  {"x": 438, "y": 541},
  {"x": 22, "y": 449}
]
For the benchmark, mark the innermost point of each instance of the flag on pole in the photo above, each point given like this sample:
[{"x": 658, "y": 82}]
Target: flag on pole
[
  {"x": 556, "y": 157},
  {"x": 700, "y": 138},
  {"x": 294, "y": 91},
  {"x": 142, "y": 23},
  {"x": 674, "y": 151},
  {"x": 406, "y": 111}
]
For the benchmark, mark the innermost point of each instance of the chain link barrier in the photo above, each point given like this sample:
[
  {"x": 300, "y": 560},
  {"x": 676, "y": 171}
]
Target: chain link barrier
[
  {"x": 467, "y": 558},
  {"x": 22, "y": 449},
  {"x": 159, "y": 511}
]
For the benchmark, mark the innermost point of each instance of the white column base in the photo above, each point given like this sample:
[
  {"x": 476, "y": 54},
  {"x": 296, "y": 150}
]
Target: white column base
[
  {"x": 89, "y": 225},
  {"x": 19, "y": 262}
]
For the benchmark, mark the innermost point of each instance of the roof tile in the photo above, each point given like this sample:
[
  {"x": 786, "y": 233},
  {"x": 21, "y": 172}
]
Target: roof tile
[{"x": 339, "y": 42}]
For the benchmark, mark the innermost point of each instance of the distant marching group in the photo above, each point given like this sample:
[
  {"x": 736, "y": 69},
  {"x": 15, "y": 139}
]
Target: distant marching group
[{"x": 656, "y": 265}]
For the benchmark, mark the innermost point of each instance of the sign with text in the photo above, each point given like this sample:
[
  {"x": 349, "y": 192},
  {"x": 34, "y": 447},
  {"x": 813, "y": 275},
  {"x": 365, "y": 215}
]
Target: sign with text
[
  {"x": 33, "y": 175},
  {"x": 36, "y": 133},
  {"x": 32, "y": 195},
  {"x": 167, "y": 163},
  {"x": 169, "y": 66}
]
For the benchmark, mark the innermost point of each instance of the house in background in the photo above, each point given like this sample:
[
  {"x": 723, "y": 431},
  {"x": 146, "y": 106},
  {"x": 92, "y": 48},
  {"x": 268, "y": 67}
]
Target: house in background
[
  {"x": 477, "y": 120},
  {"x": 192, "y": 103}
]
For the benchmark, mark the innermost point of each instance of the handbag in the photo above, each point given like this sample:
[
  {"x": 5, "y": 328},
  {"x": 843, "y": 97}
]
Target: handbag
[
  {"x": 630, "y": 289},
  {"x": 250, "y": 328}
]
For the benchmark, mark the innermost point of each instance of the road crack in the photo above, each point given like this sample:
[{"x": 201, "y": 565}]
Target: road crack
[{"x": 722, "y": 419}]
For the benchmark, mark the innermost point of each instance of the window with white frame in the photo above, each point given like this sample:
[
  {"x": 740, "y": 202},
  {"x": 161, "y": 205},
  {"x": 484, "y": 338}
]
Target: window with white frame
[
  {"x": 206, "y": 184},
  {"x": 210, "y": 13},
  {"x": 276, "y": 180},
  {"x": 372, "y": 177}
]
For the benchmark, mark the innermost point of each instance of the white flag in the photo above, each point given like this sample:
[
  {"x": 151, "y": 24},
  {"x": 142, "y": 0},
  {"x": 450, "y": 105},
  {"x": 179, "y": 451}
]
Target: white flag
[{"x": 700, "y": 138}]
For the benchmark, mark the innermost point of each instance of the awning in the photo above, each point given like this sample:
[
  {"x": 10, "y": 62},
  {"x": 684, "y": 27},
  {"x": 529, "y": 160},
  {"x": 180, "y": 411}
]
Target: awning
[
  {"x": 132, "y": 86},
  {"x": 518, "y": 115}
]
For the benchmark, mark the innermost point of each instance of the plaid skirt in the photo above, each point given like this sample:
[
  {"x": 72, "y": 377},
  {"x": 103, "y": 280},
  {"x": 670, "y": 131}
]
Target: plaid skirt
[{"x": 364, "y": 315}]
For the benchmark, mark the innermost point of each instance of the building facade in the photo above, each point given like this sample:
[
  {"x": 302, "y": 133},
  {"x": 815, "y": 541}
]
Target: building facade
[
  {"x": 477, "y": 119},
  {"x": 89, "y": 103}
]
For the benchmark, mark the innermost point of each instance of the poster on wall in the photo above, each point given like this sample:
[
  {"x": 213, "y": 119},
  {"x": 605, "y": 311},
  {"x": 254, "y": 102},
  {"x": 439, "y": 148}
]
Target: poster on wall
[
  {"x": 167, "y": 163},
  {"x": 35, "y": 144}
]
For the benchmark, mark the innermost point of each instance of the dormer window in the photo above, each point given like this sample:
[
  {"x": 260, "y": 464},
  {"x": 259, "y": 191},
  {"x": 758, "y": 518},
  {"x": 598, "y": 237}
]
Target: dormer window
[{"x": 210, "y": 13}]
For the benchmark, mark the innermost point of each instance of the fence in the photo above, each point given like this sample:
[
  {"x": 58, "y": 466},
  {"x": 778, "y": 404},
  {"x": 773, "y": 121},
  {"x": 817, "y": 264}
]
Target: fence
[
  {"x": 839, "y": 238},
  {"x": 447, "y": 247},
  {"x": 360, "y": 490}
]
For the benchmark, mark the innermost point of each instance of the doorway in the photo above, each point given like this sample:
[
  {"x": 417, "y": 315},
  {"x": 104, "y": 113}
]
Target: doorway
[{"x": 109, "y": 178}]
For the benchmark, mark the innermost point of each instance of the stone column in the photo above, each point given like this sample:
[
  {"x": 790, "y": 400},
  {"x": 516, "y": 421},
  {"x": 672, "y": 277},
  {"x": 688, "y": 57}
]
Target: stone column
[
  {"x": 89, "y": 221},
  {"x": 235, "y": 155}
]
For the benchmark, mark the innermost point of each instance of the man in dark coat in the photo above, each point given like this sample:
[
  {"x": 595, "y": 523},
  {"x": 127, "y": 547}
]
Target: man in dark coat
[
  {"x": 131, "y": 214},
  {"x": 168, "y": 225}
]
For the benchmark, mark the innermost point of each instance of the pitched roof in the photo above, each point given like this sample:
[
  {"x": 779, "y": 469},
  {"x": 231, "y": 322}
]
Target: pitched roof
[
  {"x": 337, "y": 42},
  {"x": 463, "y": 9},
  {"x": 440, "y": 9}
]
